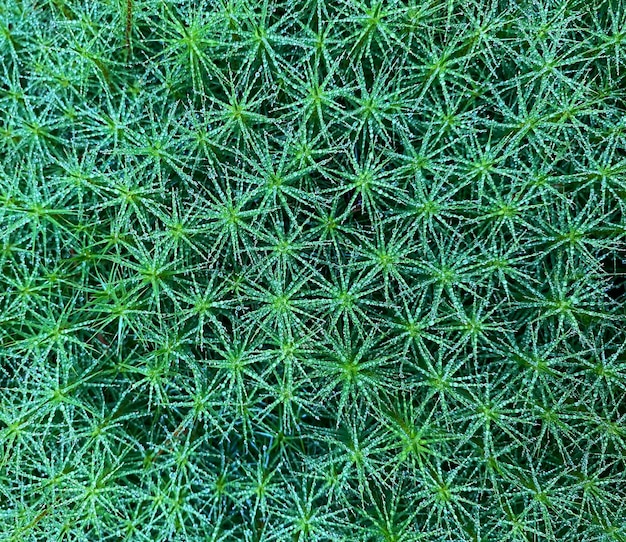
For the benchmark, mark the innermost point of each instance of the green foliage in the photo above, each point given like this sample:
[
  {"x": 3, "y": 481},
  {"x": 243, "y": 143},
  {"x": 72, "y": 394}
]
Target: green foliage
[{"x": 313, "y": 270}]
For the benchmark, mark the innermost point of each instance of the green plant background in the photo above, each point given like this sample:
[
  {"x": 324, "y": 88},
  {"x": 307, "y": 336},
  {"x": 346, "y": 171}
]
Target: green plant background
[{"x": 312, "y": 270}]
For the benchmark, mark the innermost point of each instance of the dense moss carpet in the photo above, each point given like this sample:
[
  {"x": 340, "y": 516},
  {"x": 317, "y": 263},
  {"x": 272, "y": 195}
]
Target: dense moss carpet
[{"x": 312, "y": 270}]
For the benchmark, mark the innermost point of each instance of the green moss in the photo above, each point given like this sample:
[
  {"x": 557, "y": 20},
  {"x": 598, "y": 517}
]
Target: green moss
[{"x": 312, "y": 270}]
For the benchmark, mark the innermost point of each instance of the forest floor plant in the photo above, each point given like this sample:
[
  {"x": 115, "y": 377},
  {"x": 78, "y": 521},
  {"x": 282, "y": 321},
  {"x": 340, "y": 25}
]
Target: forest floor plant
[{"x": 313, "y": 270}]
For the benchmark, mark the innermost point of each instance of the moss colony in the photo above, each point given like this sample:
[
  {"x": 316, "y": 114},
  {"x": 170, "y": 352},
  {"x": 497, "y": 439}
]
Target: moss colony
[{"x": 312, "y": 270}]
